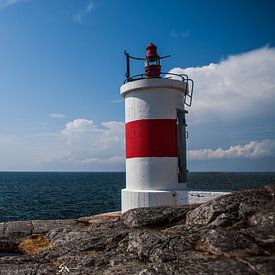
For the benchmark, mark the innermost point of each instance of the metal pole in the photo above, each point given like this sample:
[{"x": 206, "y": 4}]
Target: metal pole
[{"x": 127, "y": 74}]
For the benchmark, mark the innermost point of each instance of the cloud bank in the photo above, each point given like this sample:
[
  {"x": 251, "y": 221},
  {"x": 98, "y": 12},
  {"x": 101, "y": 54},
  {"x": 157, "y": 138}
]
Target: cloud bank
[
  {"x": 84, "y": 145},
  {"x": 176, "y": 34},
  {"x": 252, "y": 150},
  {"x": 240, "y": 86},
  {"x": 79, "y": 16},
  {"x": 8, "y": 3},
  {"x": 57, "y": 116},
  {"x": 91, "y": 146}
]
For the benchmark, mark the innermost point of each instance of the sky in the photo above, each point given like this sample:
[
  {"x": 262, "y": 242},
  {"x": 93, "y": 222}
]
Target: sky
[{"x": 62, "y": 65}]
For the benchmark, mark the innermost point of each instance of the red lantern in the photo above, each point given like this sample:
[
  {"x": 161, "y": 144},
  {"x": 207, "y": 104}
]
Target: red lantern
[{"x": 152, "y": 62}]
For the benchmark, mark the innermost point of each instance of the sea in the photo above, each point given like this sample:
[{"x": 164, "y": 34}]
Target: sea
[{"x": 69, "y": 195}]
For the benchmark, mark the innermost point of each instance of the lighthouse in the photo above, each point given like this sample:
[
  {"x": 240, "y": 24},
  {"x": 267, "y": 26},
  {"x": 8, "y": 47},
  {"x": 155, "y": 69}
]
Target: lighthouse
[{"x": 155, "y": 134}]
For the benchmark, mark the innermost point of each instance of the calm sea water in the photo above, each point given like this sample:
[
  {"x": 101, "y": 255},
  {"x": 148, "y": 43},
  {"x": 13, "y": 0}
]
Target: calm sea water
[{"x": 62, "y": 195}]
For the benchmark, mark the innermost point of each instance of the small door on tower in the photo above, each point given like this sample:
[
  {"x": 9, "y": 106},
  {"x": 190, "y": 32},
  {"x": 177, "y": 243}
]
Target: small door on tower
[{"x": 181, "y": 132}]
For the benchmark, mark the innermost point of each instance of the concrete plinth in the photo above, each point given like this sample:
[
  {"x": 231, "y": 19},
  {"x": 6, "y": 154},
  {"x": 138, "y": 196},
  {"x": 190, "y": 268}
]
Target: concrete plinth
[{"x": 146, "y": 198}]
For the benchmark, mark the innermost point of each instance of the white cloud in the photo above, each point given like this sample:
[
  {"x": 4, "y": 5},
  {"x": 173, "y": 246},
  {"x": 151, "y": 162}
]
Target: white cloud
[
  {"x": 84, "y": 145},
  {"x": 7, "y": 3},
  {"x": 240, "y": 86},
  {"x": 101, "y": 146},
  {"x": 109, "y": 161},
  {"x": 58, "y": 116},
  {"x": 176, "y": 34},
  {"x": 117, "y": 101},
  {"x": 90, "y": 7},
  {"x": 79, "y": 16},
  {"x": 79, "y": 125},
  {"x": 89, "y": 146},
  {"x": 77, "y": 128},
  {"x": 81, "y": 145},
  {"x": 252, "y": 150}
]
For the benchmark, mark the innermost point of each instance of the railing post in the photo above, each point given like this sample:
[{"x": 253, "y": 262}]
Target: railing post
[{"x": 127, "y": 74}]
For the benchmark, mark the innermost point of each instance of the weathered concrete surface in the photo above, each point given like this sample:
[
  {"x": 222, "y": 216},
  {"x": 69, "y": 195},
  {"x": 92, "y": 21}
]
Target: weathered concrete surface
[{"x": 233, "y": 234}]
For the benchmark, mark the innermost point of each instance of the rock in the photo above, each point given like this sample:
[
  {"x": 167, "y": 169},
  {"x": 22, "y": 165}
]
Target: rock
[
  {"x": 101, "y": 217},
  {"x": 232, "y": 208},
  {"x": 17, "y": 230},
  {"x": 261, "y": 264},
  {"x": 44, "y": 226},
  {"x": 227, "y": 242},
  {"x": 199, "y": 267},
  {"x": 2, "y": 228},
  {"x": 262, "y": 227},
  {"x": 12, "y": 233},
  {"x": 157, "y": 247},
  {"x": 233, "y": 234},
  {"x": 156, "y": 216}
]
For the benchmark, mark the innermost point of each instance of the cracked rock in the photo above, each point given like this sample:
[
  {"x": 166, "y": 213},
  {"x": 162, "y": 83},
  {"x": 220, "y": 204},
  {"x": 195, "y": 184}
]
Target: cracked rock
[{"x": 232, "y": 234}]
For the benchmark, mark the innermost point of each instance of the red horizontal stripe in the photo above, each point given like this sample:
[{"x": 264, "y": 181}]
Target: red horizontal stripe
[{"x": 151, "y": 138}]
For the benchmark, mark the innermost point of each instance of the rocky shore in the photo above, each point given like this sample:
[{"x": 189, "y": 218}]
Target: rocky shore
[{"x": 232, "y": 234}]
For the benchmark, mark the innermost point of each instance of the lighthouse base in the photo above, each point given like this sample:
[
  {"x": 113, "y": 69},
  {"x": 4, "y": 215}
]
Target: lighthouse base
[{"x": 146, "y": 198}]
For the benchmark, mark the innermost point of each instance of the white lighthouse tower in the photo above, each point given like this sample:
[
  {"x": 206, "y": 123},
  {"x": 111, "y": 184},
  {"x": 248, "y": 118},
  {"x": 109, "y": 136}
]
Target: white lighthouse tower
[{"x": 155, "y": 135}]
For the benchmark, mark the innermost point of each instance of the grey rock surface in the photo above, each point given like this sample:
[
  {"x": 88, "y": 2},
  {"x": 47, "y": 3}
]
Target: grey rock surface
[
  {"x": 17, "y": 230},
  {"x": 233, "y": 234},
  {"x": 2, "y": 228},
  {"x": 157, "y": 216}
]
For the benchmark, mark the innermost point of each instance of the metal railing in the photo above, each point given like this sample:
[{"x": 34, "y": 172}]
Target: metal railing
[{"x": 180, "y": 77}]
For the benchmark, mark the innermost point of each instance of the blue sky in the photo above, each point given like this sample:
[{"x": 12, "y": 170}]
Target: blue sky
[{"x": 62, "y": 65}]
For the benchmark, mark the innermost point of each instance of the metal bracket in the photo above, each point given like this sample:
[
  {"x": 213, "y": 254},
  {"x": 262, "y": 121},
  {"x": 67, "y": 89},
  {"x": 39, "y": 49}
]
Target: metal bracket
[
  {"x": 127, "y": 74},
  {"x": 189, "y": 94}
]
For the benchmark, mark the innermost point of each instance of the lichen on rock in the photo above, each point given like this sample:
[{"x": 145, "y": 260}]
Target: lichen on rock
[{"x": 34, "y": 244}]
